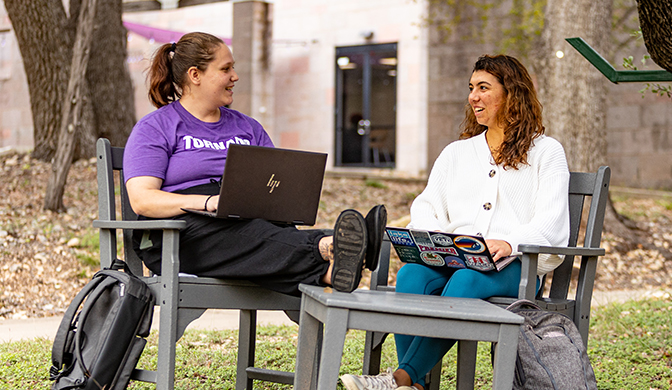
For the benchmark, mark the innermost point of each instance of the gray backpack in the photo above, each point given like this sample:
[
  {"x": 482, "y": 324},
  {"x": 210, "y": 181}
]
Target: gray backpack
[
  {"x": 103, "y": 332},
  {"x": 551, "y": 354}
]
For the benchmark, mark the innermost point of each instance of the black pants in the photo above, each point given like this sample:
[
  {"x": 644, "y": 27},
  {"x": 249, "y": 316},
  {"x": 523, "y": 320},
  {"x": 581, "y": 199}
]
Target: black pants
[{"x": 276, "y": 257}]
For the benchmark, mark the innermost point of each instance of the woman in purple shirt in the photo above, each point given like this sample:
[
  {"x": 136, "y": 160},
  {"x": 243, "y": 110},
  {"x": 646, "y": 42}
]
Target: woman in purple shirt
[{"x": 174, "y": 157}]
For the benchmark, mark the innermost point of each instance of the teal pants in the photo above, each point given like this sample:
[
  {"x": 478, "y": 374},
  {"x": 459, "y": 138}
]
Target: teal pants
[{"x": 418, "y": 355}]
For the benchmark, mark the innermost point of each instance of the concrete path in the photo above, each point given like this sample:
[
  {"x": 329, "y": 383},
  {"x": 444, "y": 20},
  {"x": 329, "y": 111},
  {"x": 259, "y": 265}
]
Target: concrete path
[{"x": 13, "y": 330}]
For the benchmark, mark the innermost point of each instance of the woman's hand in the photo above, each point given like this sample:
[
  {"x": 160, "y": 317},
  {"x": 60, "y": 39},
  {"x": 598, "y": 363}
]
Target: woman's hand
[
  {"x": 211, "y": 203},
  {"x": 498, "y": 249}
]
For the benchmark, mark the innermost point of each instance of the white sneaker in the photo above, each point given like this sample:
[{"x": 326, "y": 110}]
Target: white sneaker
[{"x": 384, "y": 381}]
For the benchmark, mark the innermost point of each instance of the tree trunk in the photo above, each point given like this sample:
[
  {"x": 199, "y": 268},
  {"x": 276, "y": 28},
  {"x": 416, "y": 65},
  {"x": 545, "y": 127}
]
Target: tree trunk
[
  {"x": 573, "y": 93},
  {"x": 45, "y": 37},
  {"x": 655, "y": 19},
  {"x": 109, "y": 79},
  {"x": 73, "y": 109},
  {"x": 46, "y": 34}
]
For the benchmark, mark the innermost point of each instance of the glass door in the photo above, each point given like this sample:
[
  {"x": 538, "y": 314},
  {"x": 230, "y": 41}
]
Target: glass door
[{"x": 366, "y": 96}]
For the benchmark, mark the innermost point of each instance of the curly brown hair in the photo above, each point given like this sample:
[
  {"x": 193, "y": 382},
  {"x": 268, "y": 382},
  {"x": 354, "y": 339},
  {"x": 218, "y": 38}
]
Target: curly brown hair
[
  {"x": 168, "y": 70},
  {"x": 520, "y": 115}
]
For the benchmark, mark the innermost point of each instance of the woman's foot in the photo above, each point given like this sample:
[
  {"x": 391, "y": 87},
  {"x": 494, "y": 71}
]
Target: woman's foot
[
  {"x": 350, "y": 243},
  {"x": 376, "y": 220},
  {"x": 384, "y": 381}
]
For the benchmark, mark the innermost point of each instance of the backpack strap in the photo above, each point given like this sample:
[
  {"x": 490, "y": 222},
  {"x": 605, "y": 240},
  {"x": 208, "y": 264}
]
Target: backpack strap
[
  {"x": 104, "y": 285},
  {"x": 63, "y": 338},
  {"x": 522, "y": 304},
  {"x": 119, "y": 265}
]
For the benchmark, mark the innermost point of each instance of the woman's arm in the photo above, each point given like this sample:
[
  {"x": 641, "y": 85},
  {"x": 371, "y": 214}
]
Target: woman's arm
[
  {"x": 147, "y": 199},
  {"x": 546, "y": 208},
  {"x": 549, "y": 224}
]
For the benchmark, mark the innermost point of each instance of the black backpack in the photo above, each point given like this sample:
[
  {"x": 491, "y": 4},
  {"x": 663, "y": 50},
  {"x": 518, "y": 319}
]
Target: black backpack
[
  {"x": 102, "y": 334},
  {"x": 551, "y": 354}
]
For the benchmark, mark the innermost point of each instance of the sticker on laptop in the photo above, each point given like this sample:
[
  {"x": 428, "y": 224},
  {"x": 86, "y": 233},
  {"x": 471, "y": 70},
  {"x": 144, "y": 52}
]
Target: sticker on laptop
[
  {"x": 442, "y": 240},
  {"x": 455, "y": 262},
  {"x": 421, "y": 237},
  {"x": 469, "y": 244},
  {"x": 408, "y": 253},
  {"x": 400, "y": 237},
  {"x": 431, "y": 258},
  {"x": 449, "y": 250},
  {"x": 479, "y": 262}
]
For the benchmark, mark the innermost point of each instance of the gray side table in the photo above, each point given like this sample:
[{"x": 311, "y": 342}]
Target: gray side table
[{"x": 462, "y": 319}]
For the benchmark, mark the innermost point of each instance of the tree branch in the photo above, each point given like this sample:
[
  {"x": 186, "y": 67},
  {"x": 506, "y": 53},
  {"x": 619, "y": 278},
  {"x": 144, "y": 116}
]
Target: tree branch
[{"x": 72, "y": 109}]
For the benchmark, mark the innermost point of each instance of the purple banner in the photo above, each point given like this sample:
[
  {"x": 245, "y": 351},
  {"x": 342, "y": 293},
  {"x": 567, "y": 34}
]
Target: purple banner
[{"x": 159, "y": 35}]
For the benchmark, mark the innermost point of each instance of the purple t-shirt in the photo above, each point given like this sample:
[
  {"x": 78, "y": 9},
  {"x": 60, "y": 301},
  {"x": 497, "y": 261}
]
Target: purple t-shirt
[{"x": 183, "y": 151}]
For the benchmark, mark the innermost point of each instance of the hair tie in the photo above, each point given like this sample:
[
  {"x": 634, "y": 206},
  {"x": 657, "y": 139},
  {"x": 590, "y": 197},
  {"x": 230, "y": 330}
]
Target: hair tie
[
  {"x": 173, "y": 47},
  {"x": 206, "y": 202}
]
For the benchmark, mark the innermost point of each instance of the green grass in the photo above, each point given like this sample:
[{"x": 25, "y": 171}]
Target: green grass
[
  {"x": 629, "y": 347},
  {"x": 375, "y": 184},
  {"x": 666, "y": 203}
]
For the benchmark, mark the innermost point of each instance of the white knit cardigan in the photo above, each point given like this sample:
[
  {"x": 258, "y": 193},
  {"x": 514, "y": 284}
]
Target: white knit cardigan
[{"x": 468, "y": 193}]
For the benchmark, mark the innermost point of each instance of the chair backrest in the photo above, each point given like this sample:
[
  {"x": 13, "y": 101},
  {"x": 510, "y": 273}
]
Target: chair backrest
[
  {"x": 111, "y": 161},
  {"x": 593, "y": 189}
]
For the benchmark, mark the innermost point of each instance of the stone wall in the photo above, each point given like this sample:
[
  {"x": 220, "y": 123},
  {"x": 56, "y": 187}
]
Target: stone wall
[{"x": 639, "y": 138}]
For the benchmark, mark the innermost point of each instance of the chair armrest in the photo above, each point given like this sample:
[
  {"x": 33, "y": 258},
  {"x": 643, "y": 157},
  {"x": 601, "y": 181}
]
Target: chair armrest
[
  {"x": 529, "y": 259},
  {"x": 170, "y": 240},
  {"x": 155, "y": 224},
  {"x": 527, "y": 289},
  {"x": 557, "y": 250}
]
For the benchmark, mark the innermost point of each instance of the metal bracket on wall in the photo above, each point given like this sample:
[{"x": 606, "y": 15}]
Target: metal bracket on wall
[{"x": 617, "y": 76}]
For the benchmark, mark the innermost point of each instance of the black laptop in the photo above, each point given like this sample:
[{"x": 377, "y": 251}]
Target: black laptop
[{"x": 278, "y": 185}]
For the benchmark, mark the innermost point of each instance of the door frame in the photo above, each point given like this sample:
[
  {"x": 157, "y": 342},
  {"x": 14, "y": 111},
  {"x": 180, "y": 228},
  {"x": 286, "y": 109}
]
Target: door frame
[{"x": 366, "y": 99}]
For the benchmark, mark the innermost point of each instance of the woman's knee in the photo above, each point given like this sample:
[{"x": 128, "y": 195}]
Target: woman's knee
[
  {"x": 419, "y": 279},
  {"x": 464, "y": 283}
]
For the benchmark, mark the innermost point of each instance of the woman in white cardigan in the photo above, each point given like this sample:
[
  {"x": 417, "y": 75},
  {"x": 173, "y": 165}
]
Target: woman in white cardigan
[{"x": 505, "y": 180}]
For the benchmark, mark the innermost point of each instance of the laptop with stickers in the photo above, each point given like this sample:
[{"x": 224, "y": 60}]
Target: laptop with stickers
[
  {"x": 438, "y": 249},
  {"x": 278, "y": 185}
]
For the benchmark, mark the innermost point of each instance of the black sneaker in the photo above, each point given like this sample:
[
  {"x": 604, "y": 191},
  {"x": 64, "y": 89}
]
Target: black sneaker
[
  {"x": 350, "y": 241},
  {"x": 376, "y": 220}
]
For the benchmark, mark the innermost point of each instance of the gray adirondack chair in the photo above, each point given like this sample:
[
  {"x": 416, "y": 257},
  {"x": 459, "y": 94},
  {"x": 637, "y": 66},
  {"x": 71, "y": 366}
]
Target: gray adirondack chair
[
  {"x": 590, "y": 189},
  {"x": 182, "y": 299}
]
